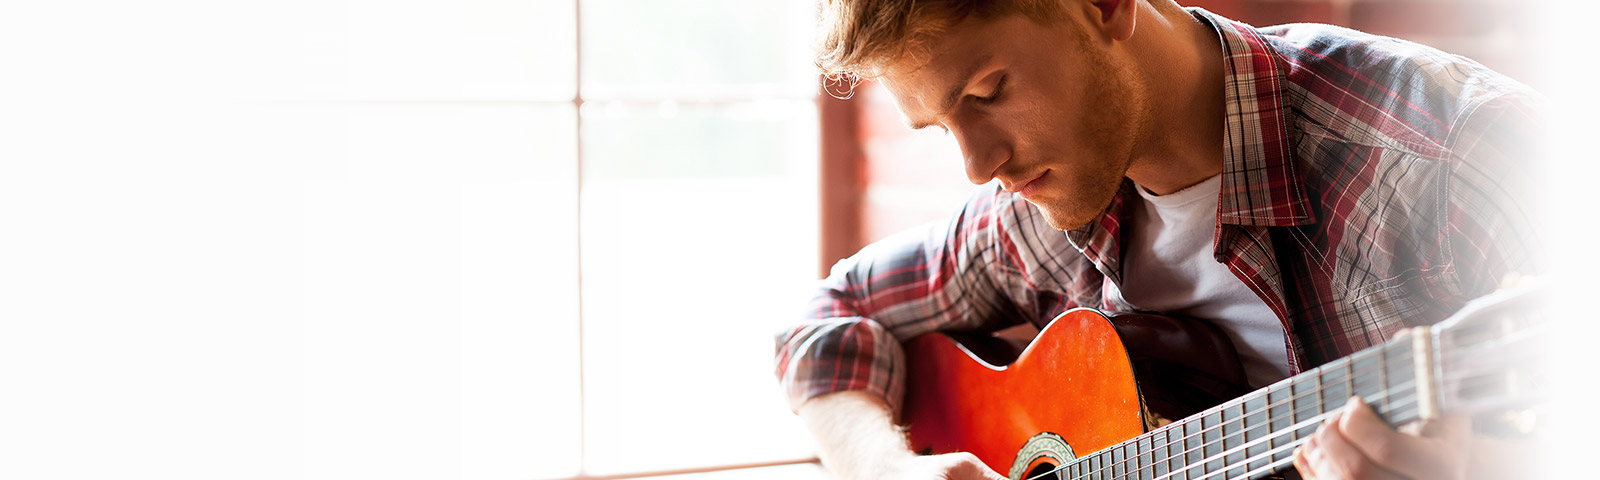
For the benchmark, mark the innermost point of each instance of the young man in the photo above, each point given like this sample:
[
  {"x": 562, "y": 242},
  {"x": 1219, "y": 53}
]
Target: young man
[{"x": 1308, "y": 189}]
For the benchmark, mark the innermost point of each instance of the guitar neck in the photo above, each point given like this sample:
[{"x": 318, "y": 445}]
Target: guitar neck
[
  {"x": 1255, "y": 435},
  {"x": 1486, "y": 357}
]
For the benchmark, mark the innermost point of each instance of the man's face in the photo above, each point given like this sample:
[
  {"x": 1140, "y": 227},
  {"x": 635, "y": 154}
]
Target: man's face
[{"x": 1052, "y": 114}]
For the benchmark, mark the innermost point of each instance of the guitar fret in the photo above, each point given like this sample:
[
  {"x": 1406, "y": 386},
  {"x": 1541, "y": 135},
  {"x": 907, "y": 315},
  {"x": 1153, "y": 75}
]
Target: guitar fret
[
  {"x": 1321, "y": 403},
  {"x": 1192, "y": 454},
  {"x": 1383, "y": 376},
  {"x": 1132, "y": 452},
  {"x": 1110, "y": 459},
  {"x": 1211, "y": 440},
  {"x": 1279, "y": 413},
  {"x": 1350, "y": 378},
  {"x": 1335, "y": 385},
  {"x": 1144, "y": 462},
  {"x": 1255, "y": 417},
  {"x": 1161, "y": 457},
  {"x": 1303, "y": 402},
  {"x": 1122, "y": 461},
  {"x": 1175, "y": 450},
  {"x": 1107, "y": 463},
  {"x": 1400, "y": 400},
  {"x": 1232, "y": 436},
  {"x": 1330, "y": 387},
  {"x": 1370, "y": 382},
  {"x": 1139, "y": 466}
]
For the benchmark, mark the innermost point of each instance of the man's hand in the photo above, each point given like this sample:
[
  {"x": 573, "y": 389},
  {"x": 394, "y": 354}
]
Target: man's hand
[
  {"x": 1356, "y": 444},
  {"x": 858, "y": 439},
  {"x": 950, "y": 466}
]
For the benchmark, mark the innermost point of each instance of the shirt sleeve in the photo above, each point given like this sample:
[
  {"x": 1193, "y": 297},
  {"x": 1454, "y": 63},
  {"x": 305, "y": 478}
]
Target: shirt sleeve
[
  {"x": 978, "y": 270},
  {"x": 1499, "y": 193}
]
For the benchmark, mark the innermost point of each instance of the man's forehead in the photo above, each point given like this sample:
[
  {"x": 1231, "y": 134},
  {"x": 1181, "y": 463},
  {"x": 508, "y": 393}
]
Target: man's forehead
[
  {"x": 928, "y": 80},
  {"x": 928, "y": 89},
  {"x": 911, "y": 88}
]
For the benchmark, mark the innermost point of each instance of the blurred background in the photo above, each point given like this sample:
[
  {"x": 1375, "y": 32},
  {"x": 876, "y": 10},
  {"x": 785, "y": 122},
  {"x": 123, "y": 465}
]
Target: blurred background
[{"x": 477, "y": 239}]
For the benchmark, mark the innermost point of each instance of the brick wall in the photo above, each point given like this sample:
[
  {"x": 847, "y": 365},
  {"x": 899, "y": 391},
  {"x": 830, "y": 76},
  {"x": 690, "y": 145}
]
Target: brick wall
[{"x": 1501, "y": 34}]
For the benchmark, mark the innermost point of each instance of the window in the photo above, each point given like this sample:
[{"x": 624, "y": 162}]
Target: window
[
  {"x": 486, "y": 214},
  {"x": 478, "y": 214},
  {"x": 699, "y": 228},
  {"x": 354, "y": 238}
]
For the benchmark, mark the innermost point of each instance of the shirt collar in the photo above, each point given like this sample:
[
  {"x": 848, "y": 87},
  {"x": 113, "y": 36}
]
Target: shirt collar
[{"x": 1260, "y": 183}]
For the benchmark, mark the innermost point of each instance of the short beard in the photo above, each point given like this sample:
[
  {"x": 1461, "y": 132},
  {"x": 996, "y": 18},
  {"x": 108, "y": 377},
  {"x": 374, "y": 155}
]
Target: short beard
[{"x": 1117, "y": 87}]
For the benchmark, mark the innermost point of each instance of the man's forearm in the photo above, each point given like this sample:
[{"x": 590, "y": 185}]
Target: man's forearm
[{"x": 855, "y": 431}]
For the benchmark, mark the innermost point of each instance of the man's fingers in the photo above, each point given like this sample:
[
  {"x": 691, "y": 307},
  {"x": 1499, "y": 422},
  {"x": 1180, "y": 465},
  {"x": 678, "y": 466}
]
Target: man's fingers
[
  {"x": 984, "y": 472},
  {"x": 975, "y": 469},
  {"x": 1303, "y": 465},
  {"x": 1409, "y": 455},
  {"x": 1331, "y": 455}
]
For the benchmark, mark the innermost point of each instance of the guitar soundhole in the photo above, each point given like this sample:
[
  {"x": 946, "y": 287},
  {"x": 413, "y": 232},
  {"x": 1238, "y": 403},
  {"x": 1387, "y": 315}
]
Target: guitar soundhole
[
  {"x": 1039, "y": 457},
  {"x": 1044, "y": 470}
]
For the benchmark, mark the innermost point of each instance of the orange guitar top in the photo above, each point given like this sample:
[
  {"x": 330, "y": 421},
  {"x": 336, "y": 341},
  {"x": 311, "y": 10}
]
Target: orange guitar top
[{"x": 1088, "y": 396}]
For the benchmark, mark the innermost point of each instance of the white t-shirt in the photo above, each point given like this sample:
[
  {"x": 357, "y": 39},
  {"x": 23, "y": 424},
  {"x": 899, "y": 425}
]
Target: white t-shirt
[{"x": 1169, "y": 267}]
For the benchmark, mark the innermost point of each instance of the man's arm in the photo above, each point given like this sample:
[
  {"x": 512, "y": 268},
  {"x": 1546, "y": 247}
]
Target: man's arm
[
  {"x": 1495, "y": 233},
  {"x": 859, "y": 440},
  {"x": 939, "y": 278},
  {"x": 843, "y": 368}
]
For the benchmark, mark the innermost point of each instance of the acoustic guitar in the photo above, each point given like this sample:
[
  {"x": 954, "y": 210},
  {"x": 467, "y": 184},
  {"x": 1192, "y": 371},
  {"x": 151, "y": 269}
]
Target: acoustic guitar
[{"x": 1156, "y": 398}]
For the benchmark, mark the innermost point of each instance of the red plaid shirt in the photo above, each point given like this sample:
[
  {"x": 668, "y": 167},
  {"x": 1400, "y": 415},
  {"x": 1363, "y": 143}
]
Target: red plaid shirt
[{"x": 1369, "y": 184}]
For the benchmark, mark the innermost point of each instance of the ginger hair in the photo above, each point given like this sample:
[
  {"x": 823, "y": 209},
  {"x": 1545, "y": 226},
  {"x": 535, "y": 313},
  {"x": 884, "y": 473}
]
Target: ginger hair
[{"x": 861, "y": 38}]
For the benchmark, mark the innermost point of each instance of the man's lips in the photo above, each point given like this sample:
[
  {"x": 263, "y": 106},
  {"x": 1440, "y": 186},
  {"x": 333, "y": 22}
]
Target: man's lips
[{"x": 1030, "y": 187}]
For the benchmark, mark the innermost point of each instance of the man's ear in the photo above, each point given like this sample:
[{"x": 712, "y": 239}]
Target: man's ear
[{"x": 1117, "y": 18}]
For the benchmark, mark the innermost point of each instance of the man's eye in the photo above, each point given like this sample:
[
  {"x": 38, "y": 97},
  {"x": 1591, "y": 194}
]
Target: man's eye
[{"x": 998, "y": 88}]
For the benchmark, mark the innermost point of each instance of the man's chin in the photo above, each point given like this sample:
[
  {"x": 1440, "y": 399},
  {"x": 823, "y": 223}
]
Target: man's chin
[{"x": 1063, "y": 221}]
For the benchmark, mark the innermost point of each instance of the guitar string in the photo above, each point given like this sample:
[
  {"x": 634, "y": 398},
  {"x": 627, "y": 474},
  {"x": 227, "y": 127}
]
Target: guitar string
[
  {"x": 1349, "y": 381},
  {"x": 1271, "y": 451},
  {"x": 1392, "y": 392},
  {"x": 1291, "y": 430},
  {"x": 1291, "y": 444},
  {"x": 1274, "y": 465},
  {"x": 1201, "y": 463},
  {"x": 1397, "y": 390},
  {"x": 1221, "y": 455},
  {"x": 1350, "y": 378},
  {"x": 1184, "y": 441}
]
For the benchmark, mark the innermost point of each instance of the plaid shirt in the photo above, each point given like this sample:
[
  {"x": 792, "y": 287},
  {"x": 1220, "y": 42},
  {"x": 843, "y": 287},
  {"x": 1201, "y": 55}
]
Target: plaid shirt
[{"x": 1369, "y": 184}]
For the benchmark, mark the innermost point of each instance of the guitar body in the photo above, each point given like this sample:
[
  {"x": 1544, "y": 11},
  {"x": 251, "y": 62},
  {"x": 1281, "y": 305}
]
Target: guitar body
[
  {"x": 1085, "y": 383},
  {"x": 1089, "y": 393}
]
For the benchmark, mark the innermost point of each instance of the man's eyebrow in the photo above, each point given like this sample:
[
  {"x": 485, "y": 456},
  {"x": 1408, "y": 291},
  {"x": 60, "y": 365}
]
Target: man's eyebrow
[{"x": 955, "y": 92}]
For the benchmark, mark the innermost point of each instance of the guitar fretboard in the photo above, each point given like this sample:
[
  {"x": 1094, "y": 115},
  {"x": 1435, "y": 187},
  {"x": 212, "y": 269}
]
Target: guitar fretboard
[{"x": 1255, "y": 435}]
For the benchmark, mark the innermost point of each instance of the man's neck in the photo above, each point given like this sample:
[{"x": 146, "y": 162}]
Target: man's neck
[{"x": 1182, "y": 61}]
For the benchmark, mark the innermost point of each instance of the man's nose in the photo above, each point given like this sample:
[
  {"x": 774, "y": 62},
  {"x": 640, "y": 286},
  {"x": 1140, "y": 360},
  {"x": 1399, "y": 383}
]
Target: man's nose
[{"x": 982, "y": 153}]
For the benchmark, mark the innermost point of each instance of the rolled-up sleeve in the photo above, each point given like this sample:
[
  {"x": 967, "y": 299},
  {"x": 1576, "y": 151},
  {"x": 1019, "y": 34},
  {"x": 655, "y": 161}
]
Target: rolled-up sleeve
[{"x": 967, "y": 273}]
